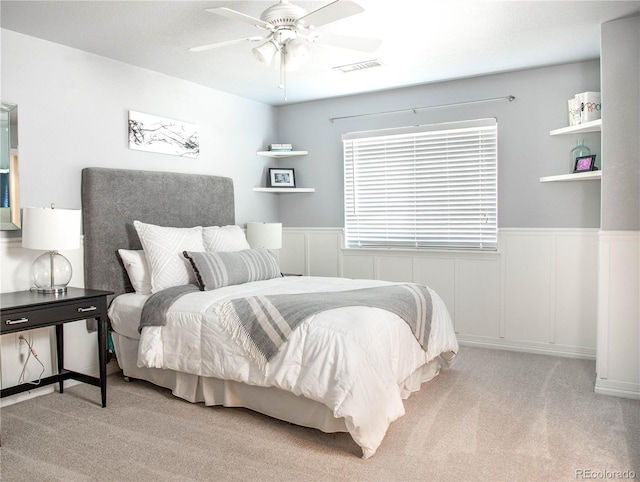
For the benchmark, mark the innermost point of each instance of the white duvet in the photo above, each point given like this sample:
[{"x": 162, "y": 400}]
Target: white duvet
[{"x": 359, "y": 361}]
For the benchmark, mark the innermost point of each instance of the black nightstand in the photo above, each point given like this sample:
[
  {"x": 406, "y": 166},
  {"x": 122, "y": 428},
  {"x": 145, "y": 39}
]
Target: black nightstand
[{"x": 26, "y": 310}]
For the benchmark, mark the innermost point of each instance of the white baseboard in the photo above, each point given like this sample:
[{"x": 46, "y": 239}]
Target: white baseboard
[
  {"x": 112, "y": 367},
  {"x": 21, "y": 397},
  {"x": 528, "y": 347},
  {"x": 617, "y": 388}
]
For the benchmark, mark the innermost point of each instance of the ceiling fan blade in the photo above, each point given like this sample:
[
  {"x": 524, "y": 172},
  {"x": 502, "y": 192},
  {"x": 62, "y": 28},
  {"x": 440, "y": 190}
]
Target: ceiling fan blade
[
  {"x": 224, "y": 44},
  {"x": 330, "y": 13},
  {"x": 365, "y": 44},
  {"x": 227, "y": 12}
]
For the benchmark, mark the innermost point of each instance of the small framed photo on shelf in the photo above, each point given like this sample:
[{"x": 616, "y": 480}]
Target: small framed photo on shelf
[
  {"x": 281, "y": 177},
  {"x": 585, "y": 164}
]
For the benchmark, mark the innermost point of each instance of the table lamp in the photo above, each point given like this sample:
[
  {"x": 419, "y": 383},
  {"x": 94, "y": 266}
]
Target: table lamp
[
  {"x": 265, "y": 235},
  {"x": 51, "y": 230}
]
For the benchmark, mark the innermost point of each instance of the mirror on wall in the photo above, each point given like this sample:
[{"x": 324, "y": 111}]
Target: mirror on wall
[{"x": 9, "y": 178}]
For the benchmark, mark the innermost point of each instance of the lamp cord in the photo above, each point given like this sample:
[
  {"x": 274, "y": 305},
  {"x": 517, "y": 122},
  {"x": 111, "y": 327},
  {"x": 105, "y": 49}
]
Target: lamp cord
[{"x": 24, "y": 367}]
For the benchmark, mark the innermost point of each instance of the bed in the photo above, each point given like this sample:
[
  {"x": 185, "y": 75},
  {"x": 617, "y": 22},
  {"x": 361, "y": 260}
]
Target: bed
[{"x": 342, "y": 369}]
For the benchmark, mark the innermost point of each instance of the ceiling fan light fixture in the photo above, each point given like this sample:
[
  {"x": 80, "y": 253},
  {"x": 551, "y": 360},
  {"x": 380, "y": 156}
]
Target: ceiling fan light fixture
[
  {"x": 290, "y": 39},
  {"x": 266, "y": 52},
  {"x": 297, "y": 52}
]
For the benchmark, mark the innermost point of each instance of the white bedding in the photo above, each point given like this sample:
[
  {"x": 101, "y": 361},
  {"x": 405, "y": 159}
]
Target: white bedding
[{"x": 359, "y": 361}]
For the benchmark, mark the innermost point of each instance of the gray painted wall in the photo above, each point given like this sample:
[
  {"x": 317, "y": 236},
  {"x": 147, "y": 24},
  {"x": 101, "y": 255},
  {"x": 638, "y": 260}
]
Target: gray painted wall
[
  {"x": 74, "y": 106},
  {"x": 74, "y": 111},
  {"x": 526, "y": 151},
  {"x": 621, "y": 125}
]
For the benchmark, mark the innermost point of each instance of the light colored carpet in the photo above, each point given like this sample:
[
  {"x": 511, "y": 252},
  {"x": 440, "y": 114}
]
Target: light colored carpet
[{"x": 495, "y": 415}]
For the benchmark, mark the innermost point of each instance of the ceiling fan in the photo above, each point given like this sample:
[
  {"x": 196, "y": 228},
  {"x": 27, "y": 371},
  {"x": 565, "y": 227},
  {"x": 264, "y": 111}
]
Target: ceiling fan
[{"x": 290, "y": 33}]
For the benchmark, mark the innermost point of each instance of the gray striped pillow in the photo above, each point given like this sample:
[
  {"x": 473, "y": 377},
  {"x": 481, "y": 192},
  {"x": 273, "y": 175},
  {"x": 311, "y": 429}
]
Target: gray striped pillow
[{"x": 214, "y": 270}]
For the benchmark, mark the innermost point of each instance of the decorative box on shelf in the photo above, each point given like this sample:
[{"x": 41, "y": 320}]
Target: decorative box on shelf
[{"x": 280, "y": 147}]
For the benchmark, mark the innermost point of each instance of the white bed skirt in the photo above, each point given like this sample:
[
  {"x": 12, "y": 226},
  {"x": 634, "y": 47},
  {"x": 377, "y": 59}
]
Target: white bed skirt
[{"x": 269, "y": 401}]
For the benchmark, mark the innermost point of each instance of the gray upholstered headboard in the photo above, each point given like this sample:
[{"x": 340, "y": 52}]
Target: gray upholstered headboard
[{"x": 113, "y": 198}]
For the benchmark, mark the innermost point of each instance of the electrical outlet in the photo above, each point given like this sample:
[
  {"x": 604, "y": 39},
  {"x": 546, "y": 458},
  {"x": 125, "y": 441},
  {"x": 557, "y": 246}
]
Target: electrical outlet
[
  {"x": 21, "y": 340},
  {"x": 21, "y": 346}
]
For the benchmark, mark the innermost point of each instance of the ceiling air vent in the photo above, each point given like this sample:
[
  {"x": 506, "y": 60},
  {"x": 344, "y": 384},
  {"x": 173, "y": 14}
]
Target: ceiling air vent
[{"x": 368, "y": 64}]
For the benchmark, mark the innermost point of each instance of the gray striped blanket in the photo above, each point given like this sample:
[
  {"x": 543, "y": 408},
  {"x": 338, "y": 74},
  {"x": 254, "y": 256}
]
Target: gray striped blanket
[
  {"x": 263, "y": 324},
  {"x": 154, "y": 311}
]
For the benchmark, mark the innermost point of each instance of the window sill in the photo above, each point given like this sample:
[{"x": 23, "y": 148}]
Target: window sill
[{"x": 422, "y": 252}]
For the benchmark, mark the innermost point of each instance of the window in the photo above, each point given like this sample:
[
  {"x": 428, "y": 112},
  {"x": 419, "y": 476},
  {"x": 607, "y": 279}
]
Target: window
[{"x": 431, "y": 186}]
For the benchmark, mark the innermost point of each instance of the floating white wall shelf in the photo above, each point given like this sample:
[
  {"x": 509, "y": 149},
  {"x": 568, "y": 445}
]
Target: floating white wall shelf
[
  {"x": 289, "y": 190},
  {"x": 577, "y": 176},
  {"x": 592, "y": 126},
  {"x": 280, "y": 154}
]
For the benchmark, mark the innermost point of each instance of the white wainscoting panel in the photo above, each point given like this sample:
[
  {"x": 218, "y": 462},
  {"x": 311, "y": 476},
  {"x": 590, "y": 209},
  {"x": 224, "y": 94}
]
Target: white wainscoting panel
[
  {"x": 394, "y": 268},
  {"x": 576, "y": 294},
  {"x": 618, "y": 362},
  {"x": 438, "y": 273},
  {"x": 293, "y": 255},
  {"x": 324, "y": 253},
  {"x": 536, "y": 294},
  {"x": 358, "y": 266},
  {"x": 477, "y": 294},
  {"x": 527, "y": 277}
]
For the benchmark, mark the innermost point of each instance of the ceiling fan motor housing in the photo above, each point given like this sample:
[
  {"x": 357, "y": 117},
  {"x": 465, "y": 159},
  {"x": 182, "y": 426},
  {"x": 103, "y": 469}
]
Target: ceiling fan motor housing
[{"x": 283, "y": 14}]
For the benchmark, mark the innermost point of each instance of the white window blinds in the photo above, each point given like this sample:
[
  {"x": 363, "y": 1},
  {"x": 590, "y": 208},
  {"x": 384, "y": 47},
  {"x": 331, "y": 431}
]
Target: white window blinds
[{"x": 426, "y": 186}]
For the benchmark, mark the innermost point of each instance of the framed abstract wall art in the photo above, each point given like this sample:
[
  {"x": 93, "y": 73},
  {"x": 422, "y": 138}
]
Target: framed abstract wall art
[{"x": 166, "y": 136}]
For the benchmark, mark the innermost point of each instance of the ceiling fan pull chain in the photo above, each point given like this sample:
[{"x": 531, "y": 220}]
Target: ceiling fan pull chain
[{"x": 282, "y": 79}]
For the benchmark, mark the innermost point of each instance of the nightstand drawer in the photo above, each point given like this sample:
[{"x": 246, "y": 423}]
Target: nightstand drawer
[{"x": 17, "y": 320}]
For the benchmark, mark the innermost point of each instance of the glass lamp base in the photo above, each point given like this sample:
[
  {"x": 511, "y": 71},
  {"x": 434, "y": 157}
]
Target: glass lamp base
[
  {"x": 53, "y": 290},
  {"x": 51, "y": 273}
]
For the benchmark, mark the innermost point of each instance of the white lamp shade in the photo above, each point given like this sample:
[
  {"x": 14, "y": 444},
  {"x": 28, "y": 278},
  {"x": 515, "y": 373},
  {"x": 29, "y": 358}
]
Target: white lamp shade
[
  {"x": 265, "y": 52},
  {"x": 50, "y": 229},
  {"x": 264, "y": 235},
  {"x": 297, "y": 52}
]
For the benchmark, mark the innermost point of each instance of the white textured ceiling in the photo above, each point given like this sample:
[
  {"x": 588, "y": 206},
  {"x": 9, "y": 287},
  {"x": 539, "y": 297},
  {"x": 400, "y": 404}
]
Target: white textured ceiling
[{"x": 422, "y": 40}]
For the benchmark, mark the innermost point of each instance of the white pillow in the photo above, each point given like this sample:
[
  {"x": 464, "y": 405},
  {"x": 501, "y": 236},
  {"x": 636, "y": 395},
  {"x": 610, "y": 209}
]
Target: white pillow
[
  {"x": 135, "y": 262},
  {"x": 163, "y": 248},
  {"x": 224, "y": 238}
]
